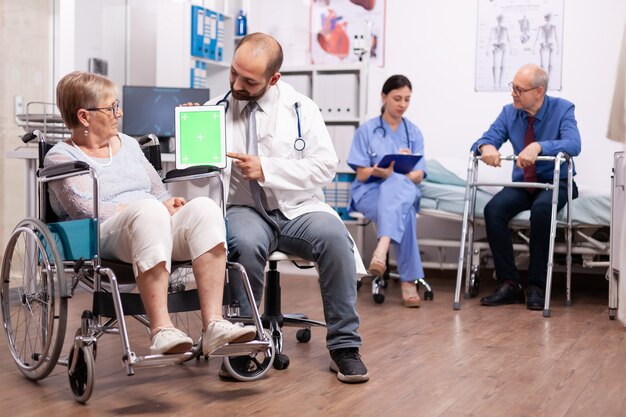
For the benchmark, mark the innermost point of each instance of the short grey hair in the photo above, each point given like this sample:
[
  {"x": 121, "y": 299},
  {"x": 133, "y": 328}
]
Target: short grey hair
[{"x": 540, "y": 79}]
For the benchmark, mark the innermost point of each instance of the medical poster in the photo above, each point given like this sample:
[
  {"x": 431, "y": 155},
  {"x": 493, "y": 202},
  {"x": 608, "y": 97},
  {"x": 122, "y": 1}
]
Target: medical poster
[
  {"x": 511, "y": 33},
  {"x": 347, "y": 31}
]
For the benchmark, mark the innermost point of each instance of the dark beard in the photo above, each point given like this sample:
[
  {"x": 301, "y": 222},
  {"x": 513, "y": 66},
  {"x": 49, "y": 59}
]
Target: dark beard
[{"x": 243, "y": 95}]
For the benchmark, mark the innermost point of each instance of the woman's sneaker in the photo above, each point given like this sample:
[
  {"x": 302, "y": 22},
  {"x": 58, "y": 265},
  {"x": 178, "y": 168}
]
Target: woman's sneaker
[
  {"x": 170, "y": 340},
  {"x": 348, "y": 365},
  {"x": 220, "y": 332}
]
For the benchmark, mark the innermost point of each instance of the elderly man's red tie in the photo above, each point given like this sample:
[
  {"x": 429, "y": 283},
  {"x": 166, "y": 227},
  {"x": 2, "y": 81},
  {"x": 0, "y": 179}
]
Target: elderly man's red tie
[{"x": 530, "y": 172}]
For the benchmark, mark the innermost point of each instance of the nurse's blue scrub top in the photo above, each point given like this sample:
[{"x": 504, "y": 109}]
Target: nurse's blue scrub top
[{"x": 369, "y": 147}]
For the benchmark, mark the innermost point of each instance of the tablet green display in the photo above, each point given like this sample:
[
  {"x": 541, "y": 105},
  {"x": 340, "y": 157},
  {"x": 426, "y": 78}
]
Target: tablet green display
[{"x": 200, "y": 136}]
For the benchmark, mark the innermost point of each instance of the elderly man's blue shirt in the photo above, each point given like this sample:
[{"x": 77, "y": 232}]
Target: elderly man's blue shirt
[{"x": 555, "y": 129}]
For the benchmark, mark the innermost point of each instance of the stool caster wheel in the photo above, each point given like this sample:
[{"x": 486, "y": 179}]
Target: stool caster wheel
[
  {"x": 303, "y": 335},
  {"x": 281, "y": 361},
  {"x": 428, "y": 295},
  {"x": 379, "y": 298},
  {"x": 474, "y": 284}
]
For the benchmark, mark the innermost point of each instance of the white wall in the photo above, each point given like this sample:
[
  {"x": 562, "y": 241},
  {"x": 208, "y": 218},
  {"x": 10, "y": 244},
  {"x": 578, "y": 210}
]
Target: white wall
[
  {"x": 100, "y": 27},
  {"x": 25, "y": 33},
  {"x": 434, "y": 43},
  {"x": 143, "y": 31}
]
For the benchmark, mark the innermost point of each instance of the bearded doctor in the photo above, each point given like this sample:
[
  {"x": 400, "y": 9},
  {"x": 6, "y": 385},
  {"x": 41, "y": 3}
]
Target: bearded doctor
[{"x": 282, "y": 156}]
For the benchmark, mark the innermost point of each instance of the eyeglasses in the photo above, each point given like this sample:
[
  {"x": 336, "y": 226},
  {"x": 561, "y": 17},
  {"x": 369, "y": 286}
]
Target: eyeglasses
[
  {"x": 518, "y": 91},
  {"x": 113, "y": 109}
]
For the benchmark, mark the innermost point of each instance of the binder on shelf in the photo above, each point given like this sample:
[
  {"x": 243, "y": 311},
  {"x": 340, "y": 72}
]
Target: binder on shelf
[
  {"x": 338, "y": 95},
  {"x": 210, "y": 34},
  {"x": 197, "y": 31},
  {"x": 220, "y": 37},
  {"x": 198, "y": 74},
  {"x": 300, "y": 82}
]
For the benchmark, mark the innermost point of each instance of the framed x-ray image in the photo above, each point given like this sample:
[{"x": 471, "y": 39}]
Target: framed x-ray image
[{"x": 511, "y": 33}]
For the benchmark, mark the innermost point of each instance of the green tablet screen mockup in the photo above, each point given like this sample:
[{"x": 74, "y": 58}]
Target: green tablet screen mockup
[{"x": 200, "y": 136}]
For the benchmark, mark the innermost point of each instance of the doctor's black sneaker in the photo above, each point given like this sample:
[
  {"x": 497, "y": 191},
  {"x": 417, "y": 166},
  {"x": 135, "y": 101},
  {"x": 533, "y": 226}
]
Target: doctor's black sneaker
[{"x": 348, "y": 365}]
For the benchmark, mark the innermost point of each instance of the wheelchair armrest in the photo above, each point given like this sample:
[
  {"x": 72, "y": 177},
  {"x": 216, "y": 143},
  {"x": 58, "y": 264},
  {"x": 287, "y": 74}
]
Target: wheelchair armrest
[
  {"x": 191, "y": 173},
  {"x": 65, "y": 168}
]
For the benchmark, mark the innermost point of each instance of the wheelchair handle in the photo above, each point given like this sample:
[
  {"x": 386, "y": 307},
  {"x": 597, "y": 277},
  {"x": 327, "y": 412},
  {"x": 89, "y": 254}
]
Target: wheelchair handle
[
  {"x": 41, "y": 139},
  {"x": 35, "y": 134},
  {"x": 149, "y": 138}
]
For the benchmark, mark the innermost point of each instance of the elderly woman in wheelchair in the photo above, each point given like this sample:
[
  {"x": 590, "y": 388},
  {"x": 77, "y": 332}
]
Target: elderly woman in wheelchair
[
  {"x": 106, "y": 221},
  {"x": 140, "y": 223}
]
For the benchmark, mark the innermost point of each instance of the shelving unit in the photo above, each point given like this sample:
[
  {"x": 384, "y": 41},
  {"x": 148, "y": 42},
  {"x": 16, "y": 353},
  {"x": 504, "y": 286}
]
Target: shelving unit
[
  {"x": 214, "y": 37},
  {"x": 341, "y": 94}
]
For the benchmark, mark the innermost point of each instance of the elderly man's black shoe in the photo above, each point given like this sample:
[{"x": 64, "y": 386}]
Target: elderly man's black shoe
[
  {"x": 535, "y": 298},
  {"x": 508, "y": 292}
]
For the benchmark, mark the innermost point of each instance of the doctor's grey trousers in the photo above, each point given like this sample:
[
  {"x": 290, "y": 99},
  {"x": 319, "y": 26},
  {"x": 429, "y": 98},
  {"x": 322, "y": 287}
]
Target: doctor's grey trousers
[{"x": 317, "y": 236}]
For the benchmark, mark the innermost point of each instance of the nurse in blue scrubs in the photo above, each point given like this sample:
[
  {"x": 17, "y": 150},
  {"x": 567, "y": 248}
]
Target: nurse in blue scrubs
[{"x": 388, "y": 198}]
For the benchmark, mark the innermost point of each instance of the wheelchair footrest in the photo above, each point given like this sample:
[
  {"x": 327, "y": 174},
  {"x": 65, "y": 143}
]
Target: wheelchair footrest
[{"x": 131, "y": 303}]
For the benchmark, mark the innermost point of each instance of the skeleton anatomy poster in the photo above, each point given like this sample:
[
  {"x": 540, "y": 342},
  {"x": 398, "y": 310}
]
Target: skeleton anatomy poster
[
  {"x": 347, "y": 31},
  {"x": 512, "y": 33}
]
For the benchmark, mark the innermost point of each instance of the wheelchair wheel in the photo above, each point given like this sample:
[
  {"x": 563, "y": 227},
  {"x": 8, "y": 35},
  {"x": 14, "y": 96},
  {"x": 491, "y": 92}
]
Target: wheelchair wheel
[
  {"x": 251, "y": 367},
  {"x": 82, "y": 378},
  {"x": 190, "y": 322},
  {"x": 33, "y": 312}
]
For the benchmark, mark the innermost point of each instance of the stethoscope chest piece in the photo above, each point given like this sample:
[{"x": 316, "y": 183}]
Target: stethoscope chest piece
[{"x": 299, "y": 144}]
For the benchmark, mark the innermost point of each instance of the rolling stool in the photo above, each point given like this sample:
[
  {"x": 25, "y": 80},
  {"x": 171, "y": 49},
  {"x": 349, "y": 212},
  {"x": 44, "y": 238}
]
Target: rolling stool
[
  {"x": 382, "y": 282},
  {"x": 273, "y": 318}
]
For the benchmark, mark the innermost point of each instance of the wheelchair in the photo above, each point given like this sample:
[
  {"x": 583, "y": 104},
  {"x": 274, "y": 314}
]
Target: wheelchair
[{"x": 46, "y": 260}]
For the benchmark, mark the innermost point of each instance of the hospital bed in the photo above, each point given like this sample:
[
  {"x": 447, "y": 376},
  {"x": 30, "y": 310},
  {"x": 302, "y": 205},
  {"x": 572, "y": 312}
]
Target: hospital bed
[{"x": 444, "y": 198}]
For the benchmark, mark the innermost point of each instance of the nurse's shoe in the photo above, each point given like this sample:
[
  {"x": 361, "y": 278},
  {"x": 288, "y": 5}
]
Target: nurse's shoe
[
  {"x": 377, "y": 267},
  {"x": 410, "y": 296}
]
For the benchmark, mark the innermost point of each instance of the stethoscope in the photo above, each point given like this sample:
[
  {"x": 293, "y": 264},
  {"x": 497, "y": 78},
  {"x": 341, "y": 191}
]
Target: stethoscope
[
  {"x": 380, "y": 126},
  {"x": 298, "y": 144}
]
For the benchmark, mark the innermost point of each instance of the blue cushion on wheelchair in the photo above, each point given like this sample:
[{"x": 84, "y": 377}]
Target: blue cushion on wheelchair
[{"x": 75, "y": 238}]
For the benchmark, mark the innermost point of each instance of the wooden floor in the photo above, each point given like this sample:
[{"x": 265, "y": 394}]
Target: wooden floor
[{"x": 431, "y": 361}]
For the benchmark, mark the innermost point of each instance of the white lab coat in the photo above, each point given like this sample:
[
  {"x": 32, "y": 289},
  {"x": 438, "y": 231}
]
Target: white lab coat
[{"x": 295, "y": 178}]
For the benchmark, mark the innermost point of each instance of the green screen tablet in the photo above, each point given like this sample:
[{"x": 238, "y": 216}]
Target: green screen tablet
[{"x": 200, "y": 136}]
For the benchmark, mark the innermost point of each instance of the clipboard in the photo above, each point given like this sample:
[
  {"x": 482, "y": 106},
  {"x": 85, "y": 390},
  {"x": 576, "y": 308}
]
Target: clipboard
[
  {"x": 200, "y": 136},
  {"x": 404, "y": 163}
]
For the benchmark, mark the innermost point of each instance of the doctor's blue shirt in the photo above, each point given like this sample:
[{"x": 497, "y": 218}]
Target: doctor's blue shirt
[
  {"x": 555, "y": 129},
  {"x": 369, "y": 145}
]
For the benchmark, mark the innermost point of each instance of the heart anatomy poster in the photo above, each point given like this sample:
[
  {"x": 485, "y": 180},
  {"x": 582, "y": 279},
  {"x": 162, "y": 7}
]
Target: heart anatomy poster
[
  {"x": 347, "y": 31},
  {"x": 512, "y": 33}
]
